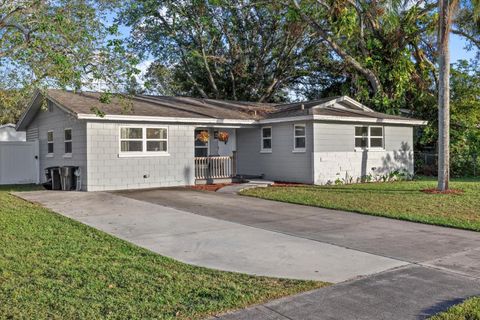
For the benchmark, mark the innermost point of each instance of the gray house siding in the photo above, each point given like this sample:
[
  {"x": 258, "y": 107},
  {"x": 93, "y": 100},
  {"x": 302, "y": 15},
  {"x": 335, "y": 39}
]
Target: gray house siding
[
  {"x": 107, "y": 171},
  {"x": 282, "y": 164},
  {"x": 57, "y": 120},
  {"x": 335, "y": 156}
]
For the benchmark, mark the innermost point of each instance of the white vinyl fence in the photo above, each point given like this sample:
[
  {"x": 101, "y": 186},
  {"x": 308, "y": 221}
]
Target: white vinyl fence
[{"x": 19, "y": 162}]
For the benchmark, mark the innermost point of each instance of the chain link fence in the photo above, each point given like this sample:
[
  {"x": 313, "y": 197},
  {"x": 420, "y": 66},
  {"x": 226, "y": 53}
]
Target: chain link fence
[{"x": 461, "y": 165}]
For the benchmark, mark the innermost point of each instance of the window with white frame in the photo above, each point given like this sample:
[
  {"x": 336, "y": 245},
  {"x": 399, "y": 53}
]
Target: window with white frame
[
  {"x": 300, "y": 137},
  {"x": 68, "y": 141},
  {"x": 157, "y": 139},
  {"x": 369, "y": 137},
  {"x": 50, "y": 142},
  {"x": 131, "y": 139},
  {"x": 143, "y": 140},
  {"x": 266, "y": 139}
]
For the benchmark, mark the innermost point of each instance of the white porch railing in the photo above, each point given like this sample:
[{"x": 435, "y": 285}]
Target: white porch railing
[{"x": 214, "y": 167}]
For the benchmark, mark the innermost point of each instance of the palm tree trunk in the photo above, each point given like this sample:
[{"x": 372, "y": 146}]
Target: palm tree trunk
[{"x": 444, "y": 95}]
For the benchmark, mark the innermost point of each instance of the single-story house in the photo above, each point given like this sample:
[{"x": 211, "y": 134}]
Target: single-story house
[
  {"x": 9, "y": 133},
  {"x": 155, "y": 141}
]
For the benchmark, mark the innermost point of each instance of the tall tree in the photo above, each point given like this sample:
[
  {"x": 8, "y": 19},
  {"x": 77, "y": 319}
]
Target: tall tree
[
  {"x": 233, "y": 49},
  {"x": 446, "y": 10},
  {"x": 385, "y": 46},
  {"x": 57, "y": 43}
]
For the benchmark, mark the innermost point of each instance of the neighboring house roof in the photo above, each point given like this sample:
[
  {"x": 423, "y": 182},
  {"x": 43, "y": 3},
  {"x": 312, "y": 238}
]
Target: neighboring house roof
[
  {"x": 185, "y": 109},
  {"x": 9, "y": 133}
]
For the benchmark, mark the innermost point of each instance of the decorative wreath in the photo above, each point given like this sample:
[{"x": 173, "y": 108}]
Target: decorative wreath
[
  {"x": 203, "y": 136},
  {"x": 223, "y": 136}
]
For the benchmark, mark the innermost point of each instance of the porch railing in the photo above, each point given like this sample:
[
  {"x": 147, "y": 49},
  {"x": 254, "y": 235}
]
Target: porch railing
[{"x": 214, "y": 167}]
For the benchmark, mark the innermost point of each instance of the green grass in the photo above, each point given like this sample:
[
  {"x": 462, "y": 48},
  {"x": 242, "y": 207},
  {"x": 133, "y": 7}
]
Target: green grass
[
  {"x": 53, "y": 267},
  {"x": 399, "y": 200},
  {"x": 467, "y": 310}
]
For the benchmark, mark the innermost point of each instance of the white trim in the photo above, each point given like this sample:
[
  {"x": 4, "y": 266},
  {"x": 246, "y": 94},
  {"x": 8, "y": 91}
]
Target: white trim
[
  {"x": 242, "y": 121},
  {"x": 355, "y": 103},
  {"x": 262, "y": 149},
  {"x": 87, "y": 116},
  {"x": 295, "y": 149},
  {"x": 144, "y": 152},
  {"x": 344, "y": 119}
]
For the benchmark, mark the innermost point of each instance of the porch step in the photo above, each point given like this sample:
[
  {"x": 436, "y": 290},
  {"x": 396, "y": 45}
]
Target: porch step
[
  {"x": 260, "y": 181},
  {"x": 236, "y": 188}
]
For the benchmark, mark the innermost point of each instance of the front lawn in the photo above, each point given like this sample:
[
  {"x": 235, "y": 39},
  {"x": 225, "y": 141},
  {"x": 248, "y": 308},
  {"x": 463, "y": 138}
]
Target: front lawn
[
  {"x": 467, "y": 310},
  {"x": 52, "y": 267},
  {"x": 400, "y": 200}
]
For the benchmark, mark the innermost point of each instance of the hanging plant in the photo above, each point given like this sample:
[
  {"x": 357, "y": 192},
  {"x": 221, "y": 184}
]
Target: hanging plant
[
  {"x": 203, "y": 136},
  {"x": 223, "y": 136}
]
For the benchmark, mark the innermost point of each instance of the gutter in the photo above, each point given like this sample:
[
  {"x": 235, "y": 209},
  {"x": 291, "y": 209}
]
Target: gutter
[
  {"x": 346, "y": 119},
  {"x": 86, "y": 116}
]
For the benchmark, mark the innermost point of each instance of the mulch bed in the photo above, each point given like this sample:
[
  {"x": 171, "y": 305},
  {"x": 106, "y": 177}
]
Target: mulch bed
[
  {"x": 287, "y": 184},
  {"x": 210, "y": 187},
  {"x": 449, "y": 191}
]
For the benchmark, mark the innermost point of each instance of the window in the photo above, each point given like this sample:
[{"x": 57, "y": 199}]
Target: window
[
  {"x": 131, "y": 140},
  {"x": 143, "y": 141},
  {"x": 266, "y": 139},
  {"x": 50, "y": 142},
  {"x": 156, "y": 140},
  {"x": 299, "y": 137},
  {"x": 68, "y": 141},
  {"x": 367, "y": 137},
  {"x": 361, "y": 137},
  {"x": 201, "y": 148}
]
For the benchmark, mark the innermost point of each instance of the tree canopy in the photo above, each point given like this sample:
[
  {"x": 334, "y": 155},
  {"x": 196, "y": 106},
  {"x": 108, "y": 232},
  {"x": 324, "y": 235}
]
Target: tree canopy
[
  {"x": 61, "y": 43},
  {"x": 225, "y": 49}
]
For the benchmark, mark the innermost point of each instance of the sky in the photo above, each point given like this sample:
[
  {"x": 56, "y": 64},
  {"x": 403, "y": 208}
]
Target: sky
[{"x": 457, "y": 49}]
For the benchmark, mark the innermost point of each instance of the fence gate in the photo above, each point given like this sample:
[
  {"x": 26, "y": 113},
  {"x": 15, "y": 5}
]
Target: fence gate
[{"x": 19, "y": 162}]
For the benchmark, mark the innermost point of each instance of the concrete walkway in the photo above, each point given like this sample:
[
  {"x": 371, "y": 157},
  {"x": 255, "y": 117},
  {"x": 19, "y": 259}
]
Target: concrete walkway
[{"x": 211, "y": 242}]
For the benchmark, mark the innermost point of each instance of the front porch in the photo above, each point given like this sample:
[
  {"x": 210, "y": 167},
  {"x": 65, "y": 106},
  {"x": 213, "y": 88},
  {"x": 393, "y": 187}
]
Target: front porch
[
  {"x": 215, "y": 154},
  {"x": 215, "y": 169}
]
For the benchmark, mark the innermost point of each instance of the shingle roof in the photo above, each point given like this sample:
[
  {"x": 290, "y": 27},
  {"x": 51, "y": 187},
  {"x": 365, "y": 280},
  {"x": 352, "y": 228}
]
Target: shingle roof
[
  {"x": 159, "y": 106},
  {"x": 188, "y": 109}
]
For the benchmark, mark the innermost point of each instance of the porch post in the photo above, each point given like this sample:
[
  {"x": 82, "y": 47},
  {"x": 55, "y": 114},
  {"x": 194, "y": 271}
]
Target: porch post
[{"x": 234, "y": 163}]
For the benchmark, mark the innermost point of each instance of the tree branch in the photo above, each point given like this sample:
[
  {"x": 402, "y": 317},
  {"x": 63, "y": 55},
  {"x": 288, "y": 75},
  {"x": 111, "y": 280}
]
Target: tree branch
[{"x": 373, "y": 80}]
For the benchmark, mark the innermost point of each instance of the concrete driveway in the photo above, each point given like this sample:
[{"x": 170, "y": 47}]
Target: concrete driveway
[
  {"x": 211, "y": 242},
  {"x": 389, "y": 269}
]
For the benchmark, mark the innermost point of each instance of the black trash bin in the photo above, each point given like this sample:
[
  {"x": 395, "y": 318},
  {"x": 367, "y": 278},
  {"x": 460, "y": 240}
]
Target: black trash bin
[
  {"x": 52, "y": 175},
  {"x": 68, "y": 178}
]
